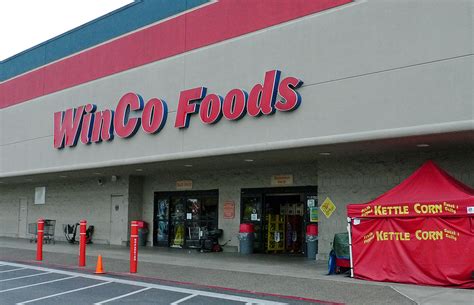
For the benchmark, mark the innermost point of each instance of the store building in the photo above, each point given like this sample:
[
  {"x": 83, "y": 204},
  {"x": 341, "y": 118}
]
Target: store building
[{"x": 196, "y": 115}]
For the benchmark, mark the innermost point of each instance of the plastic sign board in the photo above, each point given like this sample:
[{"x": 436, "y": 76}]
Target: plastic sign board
[
  {"x": 89, "y": 125},
  {"x": 282, "y": 180},
  {"x": 313, "y": 214},
  {"x": 229, "y": 210},
  {"x": 184, "y": 185},
  {"x": 328, "y": 207},
  {"x": 40, "y": 195}
]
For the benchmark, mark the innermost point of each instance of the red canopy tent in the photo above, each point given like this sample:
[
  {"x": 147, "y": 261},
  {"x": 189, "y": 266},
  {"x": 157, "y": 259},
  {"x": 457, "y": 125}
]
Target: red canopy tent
[{"x": 420, "y": 232}]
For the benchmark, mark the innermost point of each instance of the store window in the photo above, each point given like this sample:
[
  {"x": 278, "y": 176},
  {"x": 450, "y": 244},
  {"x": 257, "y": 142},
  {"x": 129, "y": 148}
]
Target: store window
[
  {"x": 182, "y": 219},
  {"x": 280, "y": 217}
]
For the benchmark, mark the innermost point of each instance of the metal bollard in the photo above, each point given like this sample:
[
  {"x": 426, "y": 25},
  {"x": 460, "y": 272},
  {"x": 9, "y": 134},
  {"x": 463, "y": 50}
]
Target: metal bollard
[
  {"x": 134, "y": 247},
  {"x": 82, "y": 243},
  {"x": 39, "y": 240}
]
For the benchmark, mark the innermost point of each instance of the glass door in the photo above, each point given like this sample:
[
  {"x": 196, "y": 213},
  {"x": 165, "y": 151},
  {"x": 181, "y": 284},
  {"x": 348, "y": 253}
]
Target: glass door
[
  {"x": 182, "y": 219},
  {"x": 177, "y": 221},
  {"x": 292, "y": 204},
  {"x": 162, "y": 222},
  {"x": 252, "y": 213},
  {"x": 209, "y": 214},
  {"x": 193, "y": 223}
]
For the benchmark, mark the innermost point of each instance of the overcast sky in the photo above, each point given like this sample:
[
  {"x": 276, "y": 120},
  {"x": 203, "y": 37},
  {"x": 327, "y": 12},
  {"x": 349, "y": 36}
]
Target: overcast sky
[{"x": 26, "y": 23}]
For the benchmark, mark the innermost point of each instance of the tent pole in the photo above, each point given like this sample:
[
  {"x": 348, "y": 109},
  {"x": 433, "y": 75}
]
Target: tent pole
[{"x": 349, "y": 221}]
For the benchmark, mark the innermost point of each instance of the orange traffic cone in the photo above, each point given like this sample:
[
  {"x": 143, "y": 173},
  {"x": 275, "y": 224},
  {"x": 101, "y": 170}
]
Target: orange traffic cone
[{"x": 99, "y": 269}]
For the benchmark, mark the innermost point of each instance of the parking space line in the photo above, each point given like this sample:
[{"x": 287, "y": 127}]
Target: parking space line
[
  {"x": 24, "y": 276},
  {"x": 184, "y": 299},
  {"x": 122, "y": 296},
  {"x": 61, "y": 293},
  {"x": 10, "y": 270},
  {"x": 37, "y": 284},
  {"x": 187, "y": 291}
]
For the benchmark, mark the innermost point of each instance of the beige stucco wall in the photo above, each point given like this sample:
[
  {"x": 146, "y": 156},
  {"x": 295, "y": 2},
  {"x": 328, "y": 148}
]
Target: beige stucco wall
[{"x": 67, "y": 201}]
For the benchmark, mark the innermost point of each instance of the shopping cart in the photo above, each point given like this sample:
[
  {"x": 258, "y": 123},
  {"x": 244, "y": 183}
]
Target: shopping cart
[
  {"x": 49, "y": 227},
  {"x": 32, "y": 231},
  {"x": 48, "y": 235}
]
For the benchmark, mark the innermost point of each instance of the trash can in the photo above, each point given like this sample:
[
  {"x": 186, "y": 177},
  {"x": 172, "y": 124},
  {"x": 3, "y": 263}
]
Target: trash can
[
  {"x": 246, "y": 237},
  {"x": 311, "y": 241},
  {"x": 142, "y": 233}
]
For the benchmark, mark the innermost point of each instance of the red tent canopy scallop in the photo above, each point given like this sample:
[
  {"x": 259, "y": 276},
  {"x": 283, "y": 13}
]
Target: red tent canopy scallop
[{"x": 429, "y": 191}]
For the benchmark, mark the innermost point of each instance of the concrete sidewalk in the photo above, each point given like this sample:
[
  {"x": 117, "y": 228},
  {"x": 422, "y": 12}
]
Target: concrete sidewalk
[{"x": 287, "y": 275}]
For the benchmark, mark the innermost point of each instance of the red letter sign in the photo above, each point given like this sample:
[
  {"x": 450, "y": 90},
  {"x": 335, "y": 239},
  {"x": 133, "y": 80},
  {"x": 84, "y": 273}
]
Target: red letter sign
[
  {"x": 125, "y": 126},
  {"x": 103, "y": 128},
  {"x": 210, "y": 109},
  {"x": 291, "y": 98},
  {"x": 66, "y": 127},
  {"x": 262, "y": 98},
  {"x": 234, "y": 105},
  {"x": 186, "y": 108},
  {"x": 154, "y": 115}
]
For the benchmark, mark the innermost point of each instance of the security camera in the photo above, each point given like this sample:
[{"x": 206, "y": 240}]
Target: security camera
[{"x": 100, "y": 181}]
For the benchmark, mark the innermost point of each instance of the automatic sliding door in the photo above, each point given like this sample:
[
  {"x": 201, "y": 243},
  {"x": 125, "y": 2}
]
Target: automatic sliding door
[
  {"x": 162, "y": 222},
  {"x": 252, "y": 212},
  {"x": 209, "y": 214},
  {"x": 177, "y": 221},
  {"x": 193, "y": 215},
  {"x": 201, "y": 217},
  {"x": 296, "y": 206}
]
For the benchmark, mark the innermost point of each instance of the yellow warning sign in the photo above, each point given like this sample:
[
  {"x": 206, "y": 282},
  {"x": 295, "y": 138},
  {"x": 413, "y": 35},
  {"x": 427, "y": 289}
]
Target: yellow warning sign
[{"x": 328, "y": 207}]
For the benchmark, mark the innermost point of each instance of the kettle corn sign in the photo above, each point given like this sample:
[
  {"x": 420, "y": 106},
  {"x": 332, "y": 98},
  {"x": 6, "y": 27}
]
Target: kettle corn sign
[
  {"x": 421, "y": 235},
  {"x": 407, "y": 210}
]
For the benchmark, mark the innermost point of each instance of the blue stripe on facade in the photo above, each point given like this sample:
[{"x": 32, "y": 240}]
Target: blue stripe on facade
[{"x": 121, "y": 21}]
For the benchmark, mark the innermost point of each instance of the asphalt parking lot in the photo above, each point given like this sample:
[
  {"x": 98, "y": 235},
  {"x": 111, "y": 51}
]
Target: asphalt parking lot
[{"x": 28, "y": 284}]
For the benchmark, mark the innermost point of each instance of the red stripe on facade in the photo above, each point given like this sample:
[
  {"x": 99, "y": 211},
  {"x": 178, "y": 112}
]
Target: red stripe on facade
[{"x": 210, "y": 24}]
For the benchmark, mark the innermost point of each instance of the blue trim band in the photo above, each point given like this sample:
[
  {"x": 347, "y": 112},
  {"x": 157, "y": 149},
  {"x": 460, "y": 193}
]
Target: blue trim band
[{"x": 119, "y": 22}]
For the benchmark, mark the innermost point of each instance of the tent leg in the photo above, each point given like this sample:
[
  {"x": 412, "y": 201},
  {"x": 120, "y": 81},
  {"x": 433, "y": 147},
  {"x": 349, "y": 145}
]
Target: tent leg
[{"x": 349, "y": 220}]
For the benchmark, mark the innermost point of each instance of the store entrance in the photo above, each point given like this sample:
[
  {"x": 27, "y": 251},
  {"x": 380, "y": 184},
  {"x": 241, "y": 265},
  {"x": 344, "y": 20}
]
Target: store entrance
[
  {"x": 182, "y": 218},
  {"x": 280, "y": 216}
]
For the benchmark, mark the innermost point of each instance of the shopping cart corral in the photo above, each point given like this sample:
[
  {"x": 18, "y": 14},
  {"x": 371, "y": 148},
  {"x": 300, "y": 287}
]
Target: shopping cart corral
[{"x": 49, "y": 227}]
